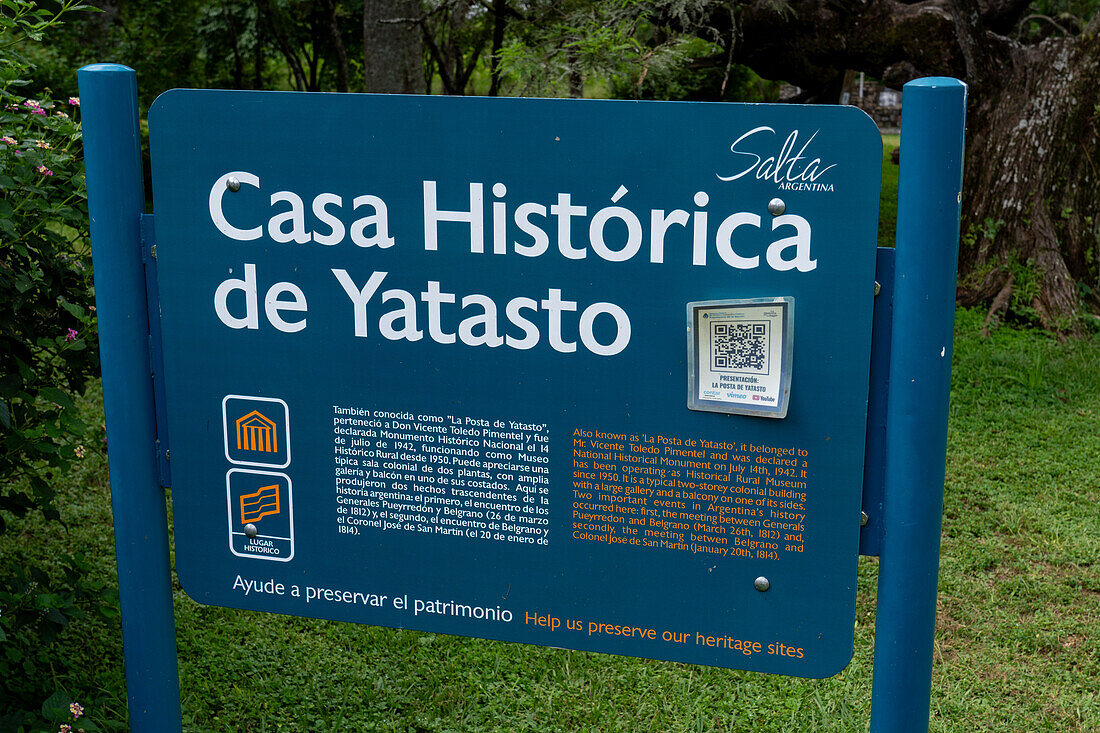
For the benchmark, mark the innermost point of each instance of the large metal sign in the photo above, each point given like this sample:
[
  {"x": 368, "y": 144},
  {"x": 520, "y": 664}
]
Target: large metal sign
[{"x": 583, "y": 374}]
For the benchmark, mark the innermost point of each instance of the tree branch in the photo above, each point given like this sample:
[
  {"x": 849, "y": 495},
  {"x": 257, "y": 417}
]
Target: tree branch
[
  {"x": 295, "y": 65},
  {"x": 1002, "y": 16},
  {"x": 810, "y": 42},
  {"x": 988, "y": 55}
]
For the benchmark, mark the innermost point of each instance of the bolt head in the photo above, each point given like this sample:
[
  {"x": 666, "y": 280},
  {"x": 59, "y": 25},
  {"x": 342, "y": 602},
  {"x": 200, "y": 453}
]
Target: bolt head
[
  {"x": 863, "y": 519},
  {"x": 233, "y": 184},
  {"x": 776, "y": 207},
  {"x": 761, "y": 584},
  {"x": 250, "y": 530},
  {"x": 878, "y": 287}
]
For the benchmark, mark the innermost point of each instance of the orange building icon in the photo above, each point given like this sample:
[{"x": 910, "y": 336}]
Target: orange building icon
[{"x": 255, "y": 432}]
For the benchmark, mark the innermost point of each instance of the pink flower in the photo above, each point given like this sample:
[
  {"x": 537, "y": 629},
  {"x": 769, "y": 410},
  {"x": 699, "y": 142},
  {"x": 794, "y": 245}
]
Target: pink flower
[
  {"x": 74, "y": 101},
  {"x": 32, "y": 104},
  {"x": 74, "y": 707},
  {"x": 38, "y": 111},
  {"x": 65, "y": 728},
  {"x": 44, "y": 145},
  {"x": 71, "y": 336},
  {"x": 46, "y": 172},
  {"x": 61, "y": 114},
  {"x": 8, "y": 140}
]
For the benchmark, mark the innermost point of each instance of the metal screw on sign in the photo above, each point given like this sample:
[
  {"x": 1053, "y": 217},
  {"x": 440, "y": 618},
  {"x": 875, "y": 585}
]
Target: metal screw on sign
[
  {"x": 761, "y": 584},
  {"x": 250, "y": 530},
  {"x": 863, "y": 519},
  {"x": 233, "y": 184},
  {"x": 878, "y": 287},
  {"x": 776, "y": 207}
]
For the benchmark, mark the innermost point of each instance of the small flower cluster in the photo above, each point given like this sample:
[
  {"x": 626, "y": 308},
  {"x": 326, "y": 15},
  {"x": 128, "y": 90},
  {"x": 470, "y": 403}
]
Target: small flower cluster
[
  {"x": 43, "y": 167},
  {"x": 76, "y": 710}
]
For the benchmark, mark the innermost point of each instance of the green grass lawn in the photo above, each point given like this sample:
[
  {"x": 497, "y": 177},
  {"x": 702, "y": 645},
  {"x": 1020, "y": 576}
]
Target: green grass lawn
[
  {"x": 888, "y": 200},
  {"x": 1016, "y": 648},
  {"x": 1018, "y": 632}
]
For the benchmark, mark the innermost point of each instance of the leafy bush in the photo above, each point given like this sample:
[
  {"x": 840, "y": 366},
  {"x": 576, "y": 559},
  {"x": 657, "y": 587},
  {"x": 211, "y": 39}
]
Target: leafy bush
[{"x": 47, "y": 353}]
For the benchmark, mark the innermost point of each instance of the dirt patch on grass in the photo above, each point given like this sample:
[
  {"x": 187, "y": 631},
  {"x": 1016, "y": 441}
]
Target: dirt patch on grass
[{"x": 1072, "y": 641}]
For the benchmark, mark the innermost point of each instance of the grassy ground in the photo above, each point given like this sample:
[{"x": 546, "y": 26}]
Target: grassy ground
[
  {"x": 1017, "y": 645},
  {"x": 888, "y": 201}
]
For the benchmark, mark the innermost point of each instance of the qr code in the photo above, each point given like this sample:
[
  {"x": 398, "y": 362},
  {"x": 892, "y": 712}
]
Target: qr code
[{"x": 740, "y": 347}]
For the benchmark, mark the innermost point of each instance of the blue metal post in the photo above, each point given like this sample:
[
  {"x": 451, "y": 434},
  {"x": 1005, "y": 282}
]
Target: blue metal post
[
  {"x": 116, "y": 199},
  {"x": 932, "y": 133}
]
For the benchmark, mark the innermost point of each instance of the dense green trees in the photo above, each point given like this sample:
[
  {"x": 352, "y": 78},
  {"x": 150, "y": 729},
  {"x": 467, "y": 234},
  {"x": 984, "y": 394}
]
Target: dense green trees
[
  {"x": 1031, "y": 193},
  {"x": 629, "y": 48}
]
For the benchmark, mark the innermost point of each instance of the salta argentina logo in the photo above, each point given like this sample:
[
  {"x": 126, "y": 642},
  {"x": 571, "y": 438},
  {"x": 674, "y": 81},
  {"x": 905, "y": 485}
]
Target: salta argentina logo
[{"x": 791, "y": 168}]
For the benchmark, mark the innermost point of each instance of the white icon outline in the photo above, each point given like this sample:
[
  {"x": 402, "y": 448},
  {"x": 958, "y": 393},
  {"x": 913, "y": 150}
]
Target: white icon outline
[
  {"x": 225, "y": 430},
  {"x": 230, "y": 506}
]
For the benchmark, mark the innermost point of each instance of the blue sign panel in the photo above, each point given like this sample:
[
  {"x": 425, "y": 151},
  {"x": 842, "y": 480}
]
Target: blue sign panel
[{"x": 428, "y": 357}]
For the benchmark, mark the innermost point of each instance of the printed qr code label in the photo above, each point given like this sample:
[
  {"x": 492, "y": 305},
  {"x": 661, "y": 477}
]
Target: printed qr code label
[
  {"x": 739, "y": 355},
  {"x": 740, "y": 347}
]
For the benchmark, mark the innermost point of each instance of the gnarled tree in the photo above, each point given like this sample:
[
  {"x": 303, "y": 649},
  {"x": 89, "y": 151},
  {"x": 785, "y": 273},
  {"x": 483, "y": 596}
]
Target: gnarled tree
[
  {"x": 1031, "y": 191},
  {"x": 1033, "y": 150}
]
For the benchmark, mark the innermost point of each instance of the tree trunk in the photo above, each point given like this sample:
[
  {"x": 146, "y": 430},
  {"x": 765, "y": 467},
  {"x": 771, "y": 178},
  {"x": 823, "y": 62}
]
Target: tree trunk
[
  {"x": 1031, "y": 192},
  {"x": 392, "y": 51},
  {"x": 337, "y": 46},
  {"x": 499, "y": 9},
  {"x": 576, "y": 78},
  {"x": 235, "y": 35},
  {"x": 258, "y": 60},
  {"x": 294, "y": 64}
]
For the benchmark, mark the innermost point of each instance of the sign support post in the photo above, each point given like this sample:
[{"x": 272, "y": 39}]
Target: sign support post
[
  {"x": 116, "y": 201},
  {"x": 933, "y": 129}
]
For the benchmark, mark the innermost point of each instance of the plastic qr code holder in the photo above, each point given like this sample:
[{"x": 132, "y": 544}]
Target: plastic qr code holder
[{"x": 739, "y": 355}]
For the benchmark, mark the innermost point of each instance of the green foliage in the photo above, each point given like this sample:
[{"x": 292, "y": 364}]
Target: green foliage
[
  {"x": 1056, "y": 18},
  {"x": 46, "y": 349},
  {"x": 66, "y": 714},
  {"x": 640, "y": 49},
  {"x": 981, "y": 235},
  {"x": 235, "y": 28},
  {"x": 676, "y": 76},
  {"x": 47, "y": 352},
  {"x": 1025, "y": 285}
]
